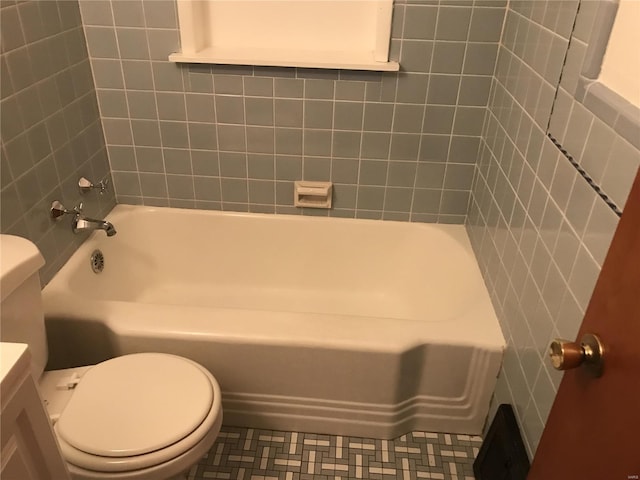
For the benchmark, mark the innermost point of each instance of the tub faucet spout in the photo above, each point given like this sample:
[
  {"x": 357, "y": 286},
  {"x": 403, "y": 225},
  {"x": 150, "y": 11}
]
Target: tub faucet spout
[{"x": 82, "y": 223}]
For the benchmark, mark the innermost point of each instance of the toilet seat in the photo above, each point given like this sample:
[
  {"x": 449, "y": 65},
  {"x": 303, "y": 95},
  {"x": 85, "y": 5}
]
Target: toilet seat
[{"x": 138, "y": 411}]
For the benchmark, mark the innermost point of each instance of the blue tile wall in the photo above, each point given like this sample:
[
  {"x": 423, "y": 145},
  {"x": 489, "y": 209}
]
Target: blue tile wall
[
  {"x": 398, "y": 146},
  {"x": 539, "y": 230},
  {"x": 50, "y": 130}
]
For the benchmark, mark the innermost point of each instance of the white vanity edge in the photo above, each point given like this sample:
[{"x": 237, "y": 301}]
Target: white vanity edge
[{"x": 11, "y": 355}]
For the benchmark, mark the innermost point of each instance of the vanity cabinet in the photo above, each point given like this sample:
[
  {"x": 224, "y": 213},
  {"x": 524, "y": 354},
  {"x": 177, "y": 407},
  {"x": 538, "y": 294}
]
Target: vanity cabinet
[{"x": 29, "y": 449}]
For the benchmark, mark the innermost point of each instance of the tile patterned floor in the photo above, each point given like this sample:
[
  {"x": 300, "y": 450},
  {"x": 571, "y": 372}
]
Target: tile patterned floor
[{"x": 251, "y": 454}]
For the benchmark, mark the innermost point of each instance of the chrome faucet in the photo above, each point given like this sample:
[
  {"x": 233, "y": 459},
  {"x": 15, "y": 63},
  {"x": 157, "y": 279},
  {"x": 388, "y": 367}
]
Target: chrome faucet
[{"x": 81, "y": 223}]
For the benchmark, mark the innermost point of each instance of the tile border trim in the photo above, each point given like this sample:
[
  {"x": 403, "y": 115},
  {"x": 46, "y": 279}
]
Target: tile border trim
[{"x": 586, "y": 176}]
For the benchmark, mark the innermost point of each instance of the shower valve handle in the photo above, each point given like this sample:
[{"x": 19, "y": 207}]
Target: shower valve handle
[
  {"x": 87, "y": 185},
  {"x": 58, "y": 210}
]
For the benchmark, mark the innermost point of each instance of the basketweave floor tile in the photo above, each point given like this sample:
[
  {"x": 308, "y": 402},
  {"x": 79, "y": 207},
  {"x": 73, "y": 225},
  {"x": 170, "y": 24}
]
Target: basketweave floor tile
[{"x": 255, "y": 454}]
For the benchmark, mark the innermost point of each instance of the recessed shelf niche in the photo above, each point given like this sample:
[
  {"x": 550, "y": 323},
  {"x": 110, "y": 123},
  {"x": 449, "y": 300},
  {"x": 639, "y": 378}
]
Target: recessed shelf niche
[{"x": 340, "y": 34}]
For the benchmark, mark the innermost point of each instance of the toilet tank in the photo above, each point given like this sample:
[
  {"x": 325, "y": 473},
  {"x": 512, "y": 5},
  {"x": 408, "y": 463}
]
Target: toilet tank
[{"x": 21, "y": 313}]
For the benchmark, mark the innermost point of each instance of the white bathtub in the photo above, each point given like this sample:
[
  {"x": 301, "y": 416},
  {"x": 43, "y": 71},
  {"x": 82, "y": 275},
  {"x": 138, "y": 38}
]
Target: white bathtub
[{"x": 324, "y": 325}]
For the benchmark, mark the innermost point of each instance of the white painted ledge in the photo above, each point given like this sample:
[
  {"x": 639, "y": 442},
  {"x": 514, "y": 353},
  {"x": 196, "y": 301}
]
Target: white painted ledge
[{"x": 286, "y": 58}]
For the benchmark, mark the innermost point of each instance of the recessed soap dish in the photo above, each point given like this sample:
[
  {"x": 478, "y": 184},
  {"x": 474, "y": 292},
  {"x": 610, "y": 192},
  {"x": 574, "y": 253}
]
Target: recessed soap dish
[{"x": 313, "y": 194}]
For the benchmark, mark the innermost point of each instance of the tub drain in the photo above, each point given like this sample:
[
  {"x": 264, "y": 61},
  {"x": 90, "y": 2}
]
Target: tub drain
[{"x": 97, "y": 261}]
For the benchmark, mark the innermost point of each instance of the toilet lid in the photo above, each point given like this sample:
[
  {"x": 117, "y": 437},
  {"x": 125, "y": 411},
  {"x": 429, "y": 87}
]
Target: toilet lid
[{"x": 136, "y": 404}]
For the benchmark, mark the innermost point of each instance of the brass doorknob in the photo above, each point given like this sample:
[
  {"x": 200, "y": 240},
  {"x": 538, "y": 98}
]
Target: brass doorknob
[{"x": 589, "y": 352}]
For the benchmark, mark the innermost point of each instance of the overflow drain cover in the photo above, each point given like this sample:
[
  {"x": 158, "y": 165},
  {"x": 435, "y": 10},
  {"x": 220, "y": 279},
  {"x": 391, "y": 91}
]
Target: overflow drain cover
[{"x": 97, "y": 261}]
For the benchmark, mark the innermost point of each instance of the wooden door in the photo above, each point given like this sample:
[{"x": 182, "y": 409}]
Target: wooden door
[{"x": 593, "y": 430}]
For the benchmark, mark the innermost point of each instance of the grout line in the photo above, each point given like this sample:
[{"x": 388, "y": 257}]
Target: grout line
[
  {"x": 155, "y": 100},
  {"x": 562, "y": 70},
  {"x": 184, "y": 74},
  {"x": 246, "y": 141},
  {"x": 126, "y": 97}
]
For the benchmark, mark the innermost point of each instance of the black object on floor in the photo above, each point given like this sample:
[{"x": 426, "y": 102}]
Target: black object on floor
[{"x": 502, "y": 455}]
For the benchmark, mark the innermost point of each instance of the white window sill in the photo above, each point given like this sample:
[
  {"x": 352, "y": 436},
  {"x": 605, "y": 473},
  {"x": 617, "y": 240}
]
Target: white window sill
[{"x": 286, "y": 58}]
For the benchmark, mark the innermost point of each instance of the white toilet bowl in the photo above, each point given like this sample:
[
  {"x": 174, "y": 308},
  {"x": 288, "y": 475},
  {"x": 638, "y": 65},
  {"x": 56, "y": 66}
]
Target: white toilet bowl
[{"x": 146, "y": 416}]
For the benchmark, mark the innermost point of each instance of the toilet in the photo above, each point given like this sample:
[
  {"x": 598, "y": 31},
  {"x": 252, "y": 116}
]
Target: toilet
[{"x": 144, "y": 416}]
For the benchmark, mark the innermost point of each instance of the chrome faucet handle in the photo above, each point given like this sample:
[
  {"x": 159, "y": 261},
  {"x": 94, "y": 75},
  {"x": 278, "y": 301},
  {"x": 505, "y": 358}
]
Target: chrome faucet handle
[
  {"x": 58, "y": 210},
  {"x": 86, "y": 185}
]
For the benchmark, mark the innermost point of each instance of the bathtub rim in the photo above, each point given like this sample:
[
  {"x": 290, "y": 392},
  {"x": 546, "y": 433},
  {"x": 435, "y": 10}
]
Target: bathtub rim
[{"x": 476, "y": 326}]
